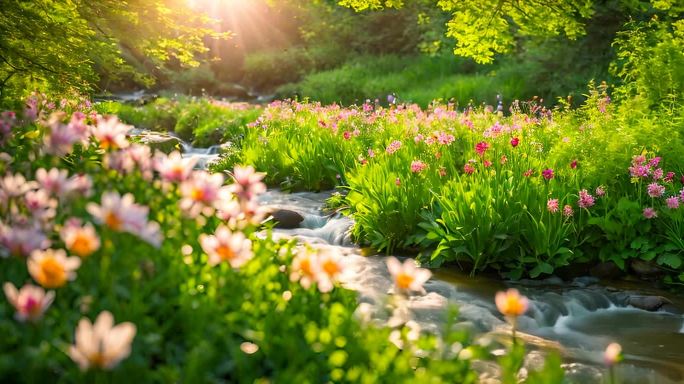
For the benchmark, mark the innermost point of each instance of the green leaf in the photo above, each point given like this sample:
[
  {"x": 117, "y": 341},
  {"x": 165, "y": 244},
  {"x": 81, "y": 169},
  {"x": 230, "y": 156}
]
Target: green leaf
[{"x": 671, "y": 260}]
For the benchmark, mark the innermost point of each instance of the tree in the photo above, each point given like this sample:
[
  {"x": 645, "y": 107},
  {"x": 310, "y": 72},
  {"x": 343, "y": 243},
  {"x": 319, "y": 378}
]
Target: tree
[
  {"x": 484, "y": 28},
  {"x": 61, "y": 45}
]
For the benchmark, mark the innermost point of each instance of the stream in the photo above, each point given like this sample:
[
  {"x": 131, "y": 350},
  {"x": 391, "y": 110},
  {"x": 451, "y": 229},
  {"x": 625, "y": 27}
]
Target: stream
[{"x": 577, "y": 318}]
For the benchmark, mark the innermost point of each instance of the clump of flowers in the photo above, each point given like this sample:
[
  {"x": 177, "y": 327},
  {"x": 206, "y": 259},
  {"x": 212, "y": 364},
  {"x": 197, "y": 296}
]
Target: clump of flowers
[
  {"x": 586, "y": 200},
  {"x": 417, "y": 166},
  {"x": 393, "y": 147},
  {"x": 102, "y": 345},
  {"x": 481, "y": 147},
  {"x": 318, "y": 266},
  {"x": 568, "y": 211},
  {"x": 655, "y": 190},
  {"x": 552, "y": 205},
  {"x": 650, "y": 213},
  {"x": 30, "y": 302}
]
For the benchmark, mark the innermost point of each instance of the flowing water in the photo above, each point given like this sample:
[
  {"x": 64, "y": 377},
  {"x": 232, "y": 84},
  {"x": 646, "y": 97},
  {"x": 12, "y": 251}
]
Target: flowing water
[{"x": 578, "y": 319}]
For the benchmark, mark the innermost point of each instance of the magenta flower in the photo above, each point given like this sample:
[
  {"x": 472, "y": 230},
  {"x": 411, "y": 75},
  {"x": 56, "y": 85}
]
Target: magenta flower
[
  {"x": 669, "y": 177},
  {"x": 639, "y": 171},
  {"x": 552, "y": 205},
  {"x": 573, "y": 164},
  {"x": 548, "y": 173},
  {"x": 468, "y": 169},
  {"x": 567, "y": 211},
  {"x": 481, "y": 147},
  {"x": 654, "y": 162},
  {"x": 417, "y": 166},
  {"x": 346, "y": 135},
  {"x": 585, "y": 199},
  {"x": 650, "y": 213},
  {"x": 672, "y": 202},
  {"x": 655, "y": 190},
  {"x": 514, "y": 142}
]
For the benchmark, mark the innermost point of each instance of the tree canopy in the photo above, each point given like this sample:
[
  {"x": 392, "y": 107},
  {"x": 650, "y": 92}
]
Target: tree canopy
[
  {"x": 68, "y": 44},
  {"x": 484, "y": 28}
]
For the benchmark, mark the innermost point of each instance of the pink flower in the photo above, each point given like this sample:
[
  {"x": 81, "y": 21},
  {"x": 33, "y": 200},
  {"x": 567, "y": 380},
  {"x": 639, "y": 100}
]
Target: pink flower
[
  {"x": 481, "y": 147},
  {"x": 397, "y": 182},
  {"x": 585, "y": 199},
  {"x": 247, "y": 183},
  {"x": 658, "y": 174},
  {"x": 504, "y": 159},
  {"x": 552, "y": 205},
  {"x": 528, "y": 173},
  {"x": 371, "y": 154},
  {"x": 442, "y": 171},
  {"x": 122, "y": 214},
  {"x": 638, "y": 160},
  {"x": 650, "y": 213},
  {"x": 514, "y": 142},
  {"x": 672, "y": 202},
  {"x": 613, "y": 354},
  {"x": 654, "y": 162},
  {"x": 639, "y": 171},
  {"x": 55, "y": 181},
  {"x": 418, "y": 138},
  {"x": 30, "y": 302},
  {"x": 487, "y": 163},
  {"x": 468, "y": 168},
  {"x": 567, "y": 211},
  {"x": 174, "y": 167},
  {"x": 655, "y": 190},
  {"x": 61, "y": 137},
  {"x": 600, "y": 191},
  {"x": 407, "y": 276},
  {"x": 226, "y": 246},
  {"x": 573, "y": 164},
  {"x": 681, "y": 195},
  {"x": 201, "y": 191},
  {"x": 417, "y": 166},
  {"x": 445, "y": 139},
  {"x": 110, "y": 133},
  {"x": 22, "y": 241},
  {"x": 347, "y": 135},
  {"x": 393, "y": 147},
  {"x": 548, "y": 174},
  {"x": 669, "y": 177}
]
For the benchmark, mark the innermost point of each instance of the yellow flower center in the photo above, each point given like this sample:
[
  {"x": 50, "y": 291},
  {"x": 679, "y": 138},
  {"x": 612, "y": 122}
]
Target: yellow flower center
[
  {"x": 83, "y": 244},
  {"x": 404, "y": 280},
  {"x": 107, "y": 143},
  {"x": 52, "y": 273},
  {"x": 225, "y": 252},
  {"x": 305, "y": 266},
  {"x": 113, "y": 221},
  {"x": 331, "y": 268},
  {"x": 514, "y": 306},
  {"x": 97, "y": 359},
  {"x": 197, "y": 194}
]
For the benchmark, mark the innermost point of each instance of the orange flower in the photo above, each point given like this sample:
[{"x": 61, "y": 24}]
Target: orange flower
[
  {"x": 52, "y": 268},
  {"x": 511, "y": 303}
]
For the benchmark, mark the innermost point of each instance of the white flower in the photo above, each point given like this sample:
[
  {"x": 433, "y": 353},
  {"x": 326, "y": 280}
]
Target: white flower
[{"x": 102, "y": 345}]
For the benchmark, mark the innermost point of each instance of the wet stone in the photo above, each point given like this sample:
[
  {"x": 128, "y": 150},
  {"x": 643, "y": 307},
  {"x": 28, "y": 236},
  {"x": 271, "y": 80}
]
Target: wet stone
[
  {"x": 287, "y": 219},
  {"x": 648, "y": 303}
]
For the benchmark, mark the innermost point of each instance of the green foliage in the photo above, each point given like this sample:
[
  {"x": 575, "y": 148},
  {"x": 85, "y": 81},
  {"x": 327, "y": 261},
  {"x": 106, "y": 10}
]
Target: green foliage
[{"x": 64, "y": 45}]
